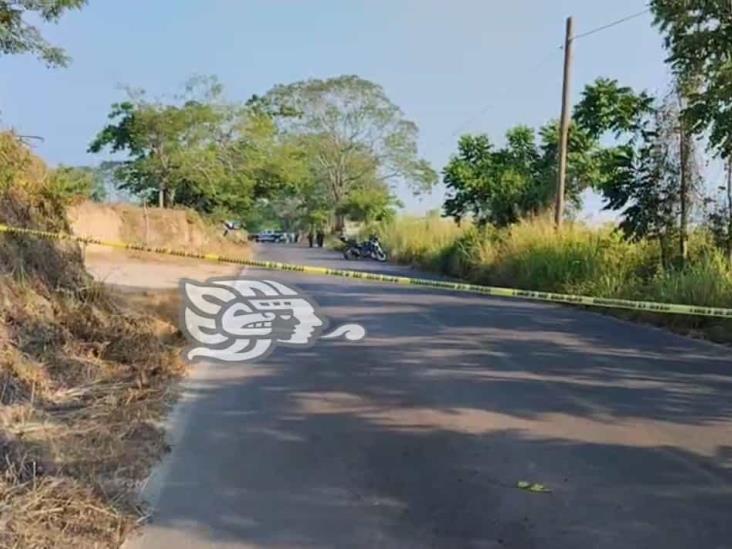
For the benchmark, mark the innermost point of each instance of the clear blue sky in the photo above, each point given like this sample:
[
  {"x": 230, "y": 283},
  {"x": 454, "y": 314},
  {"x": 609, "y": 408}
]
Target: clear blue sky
[{"x": 452, "y": 65}]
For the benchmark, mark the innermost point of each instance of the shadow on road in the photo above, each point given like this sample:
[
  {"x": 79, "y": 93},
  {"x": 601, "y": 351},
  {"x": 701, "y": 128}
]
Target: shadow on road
[{"x": 417, "y": 436}]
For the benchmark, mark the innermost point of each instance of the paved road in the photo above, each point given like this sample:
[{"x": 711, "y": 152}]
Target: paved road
[{"x": 416, "y": 436}]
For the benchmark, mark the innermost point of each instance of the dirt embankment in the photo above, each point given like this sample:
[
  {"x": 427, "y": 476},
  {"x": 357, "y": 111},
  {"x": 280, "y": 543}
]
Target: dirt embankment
[
  {"x": 146, "y": 272},
  {"x": 84, "y": 380},
  {"x": 180, "y": 229}
]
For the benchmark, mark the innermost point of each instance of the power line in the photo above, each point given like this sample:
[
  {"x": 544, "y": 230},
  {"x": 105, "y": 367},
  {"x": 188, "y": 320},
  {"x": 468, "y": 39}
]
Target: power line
[
  {"x": 613, "y": 24},
  {"x": 546, "y": 59}
]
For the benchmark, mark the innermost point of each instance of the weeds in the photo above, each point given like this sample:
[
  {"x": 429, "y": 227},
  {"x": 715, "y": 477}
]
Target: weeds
[
  {"x": 578, "y": 260},
  {"x": 84, "y": 382}
]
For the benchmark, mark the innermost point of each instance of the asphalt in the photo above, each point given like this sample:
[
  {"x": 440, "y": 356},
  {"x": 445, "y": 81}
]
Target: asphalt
[{"x": 417, "y": 435}]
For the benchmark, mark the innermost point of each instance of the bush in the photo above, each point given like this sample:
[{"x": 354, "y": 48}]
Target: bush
[
  {"x": 72, "y": 184},
  {"x": 21, "y": 169}
]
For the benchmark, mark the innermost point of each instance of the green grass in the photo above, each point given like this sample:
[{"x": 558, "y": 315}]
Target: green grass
[{"x": 578, "y": 260}]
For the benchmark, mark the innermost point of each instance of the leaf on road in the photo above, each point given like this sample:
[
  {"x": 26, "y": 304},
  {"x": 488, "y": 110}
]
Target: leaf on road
[{"x": 533, "y": 487}]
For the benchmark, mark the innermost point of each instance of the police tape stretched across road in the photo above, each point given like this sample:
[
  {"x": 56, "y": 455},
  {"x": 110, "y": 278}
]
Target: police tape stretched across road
[{"x": 655, "y": 307}]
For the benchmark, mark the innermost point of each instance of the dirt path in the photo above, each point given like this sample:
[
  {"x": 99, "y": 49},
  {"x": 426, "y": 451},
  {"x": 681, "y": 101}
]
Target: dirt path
[{"x": 151, "y": 272}]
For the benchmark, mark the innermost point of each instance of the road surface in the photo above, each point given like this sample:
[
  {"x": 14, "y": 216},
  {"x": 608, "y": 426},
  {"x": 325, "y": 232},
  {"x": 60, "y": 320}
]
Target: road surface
[{"x": 417, "y": 435}]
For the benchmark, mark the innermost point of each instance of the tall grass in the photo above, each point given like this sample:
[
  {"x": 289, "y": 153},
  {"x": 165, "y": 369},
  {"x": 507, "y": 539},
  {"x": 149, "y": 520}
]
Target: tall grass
[
  {"x": 578, "y": 260},
  {"x": 419, "y": 240}
]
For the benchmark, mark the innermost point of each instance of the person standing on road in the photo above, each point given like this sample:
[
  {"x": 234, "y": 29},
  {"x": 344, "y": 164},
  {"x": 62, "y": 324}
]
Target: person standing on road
[
  {"x": 310, "y": 238},
  {"x": 321, "y": 238}
]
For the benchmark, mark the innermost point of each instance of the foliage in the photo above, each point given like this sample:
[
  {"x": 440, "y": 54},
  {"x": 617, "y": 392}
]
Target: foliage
[
  {"x": 607, "y": 106},
  {"x": 353, "y": 134},
  {"x": 719, "y": 218},
  {"x": 697, "y": 37},
  {"x": 369, "y": 203},
  {"x": 501, "y": 186},
  {"x": 17, "y": 163},
  {"x": 643, "y": 174},
  {"x": 492, "y": 186},
  {"x": 413, "y": 239},
  {"x": 17, "y": 36},
  {"x": 200, "y": 152},
  {"x": 70, "y": 183}
]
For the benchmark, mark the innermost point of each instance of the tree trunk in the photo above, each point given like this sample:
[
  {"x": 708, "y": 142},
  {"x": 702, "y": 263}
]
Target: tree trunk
[
  {"x": 147, "y": 221},
  {"x": 161, "y": 196},
  {"x": 729, "y": 211},
  {"x": 340, "y": 223},
  {"x": 664, "y": 245},
  {"x": 684, "y": 150}
]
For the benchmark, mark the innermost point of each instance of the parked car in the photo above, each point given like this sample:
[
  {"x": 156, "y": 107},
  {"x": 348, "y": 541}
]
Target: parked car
[{"x": 271, "y": 236}]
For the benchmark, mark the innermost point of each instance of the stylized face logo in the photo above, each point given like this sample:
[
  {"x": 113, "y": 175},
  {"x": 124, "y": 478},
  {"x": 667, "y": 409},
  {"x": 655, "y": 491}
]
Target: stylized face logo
[{"x": 236, "y": 320}]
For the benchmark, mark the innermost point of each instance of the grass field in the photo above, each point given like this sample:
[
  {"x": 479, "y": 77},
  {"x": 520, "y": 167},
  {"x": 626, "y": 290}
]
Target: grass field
[{"x": 578, "y": 260}]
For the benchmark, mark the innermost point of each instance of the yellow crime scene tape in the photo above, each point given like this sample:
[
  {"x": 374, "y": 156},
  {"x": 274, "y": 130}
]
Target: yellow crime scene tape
[{"x": 648, "y": 306}]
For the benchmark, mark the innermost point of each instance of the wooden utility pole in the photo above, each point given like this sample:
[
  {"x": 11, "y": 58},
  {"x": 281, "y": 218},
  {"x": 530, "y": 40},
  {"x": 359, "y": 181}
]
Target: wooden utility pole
[{"x": 564, "y": 127}]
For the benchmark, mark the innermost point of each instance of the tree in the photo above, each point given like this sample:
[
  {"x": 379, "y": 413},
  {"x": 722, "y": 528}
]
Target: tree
[
  {"x": 492, "y": 186},
  {"x": 200, "y": 151},
  {"x": 350, "y": 129},
  {"x": 697, "y": 37},
  {"x": 156, "y": 137},
  {"x": 370, "y": 202},
  {"x": 720, "y": 218},
  {"x": 650, "y": 172},
  {"x": 647, "y": 183},
  {"x": 500, "y": 186},
  {"x": 606, "y": 106},
  {"x": 17, "y": 36}
]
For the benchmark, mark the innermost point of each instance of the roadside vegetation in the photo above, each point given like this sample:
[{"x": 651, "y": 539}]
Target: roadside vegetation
[
  {"x": 84, "y": 379},
  {"x": 643, "y": 154},
  {"x": 580, "y": 260},
  {"x": 84, "y": 376}
]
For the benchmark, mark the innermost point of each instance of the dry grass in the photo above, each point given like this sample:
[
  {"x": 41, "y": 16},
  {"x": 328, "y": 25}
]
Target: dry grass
[
  {"x": 83, "y": 390},
  {"x": 84, "y": 382}
]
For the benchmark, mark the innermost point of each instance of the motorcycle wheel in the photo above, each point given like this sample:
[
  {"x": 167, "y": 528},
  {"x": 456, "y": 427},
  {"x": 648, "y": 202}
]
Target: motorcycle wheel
[{"x": 379, "y": 256}]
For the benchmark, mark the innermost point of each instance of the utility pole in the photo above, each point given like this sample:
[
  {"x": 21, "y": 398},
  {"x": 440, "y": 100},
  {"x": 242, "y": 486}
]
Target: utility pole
[{"x": 564, "y": 126}]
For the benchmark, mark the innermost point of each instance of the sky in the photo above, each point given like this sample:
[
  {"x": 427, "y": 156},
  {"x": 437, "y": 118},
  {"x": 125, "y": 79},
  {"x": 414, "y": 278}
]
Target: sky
[{"x": 453, "y": 66}]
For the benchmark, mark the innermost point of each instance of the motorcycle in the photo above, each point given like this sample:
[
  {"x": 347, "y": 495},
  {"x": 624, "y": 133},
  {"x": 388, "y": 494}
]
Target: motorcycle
[{"x": 370, "y": 248}]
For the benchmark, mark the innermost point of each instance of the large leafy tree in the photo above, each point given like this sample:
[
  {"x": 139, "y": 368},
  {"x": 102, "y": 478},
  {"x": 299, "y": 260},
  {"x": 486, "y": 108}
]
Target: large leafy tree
[
  {"x": 18, "y": 36},
  {"x": 649, "y": 173},
  {"x": 492, "y": 185},
  {"x": 698, "y": 37},
  {"x": 352, "y": 132},
  {"x": 501, "y": 185},
  {"x": 370, "y": 202},
  {"x": 199, "y": 151},
  {"x": 157, "y": 138},
  {"x": 646, "y": 183}
]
